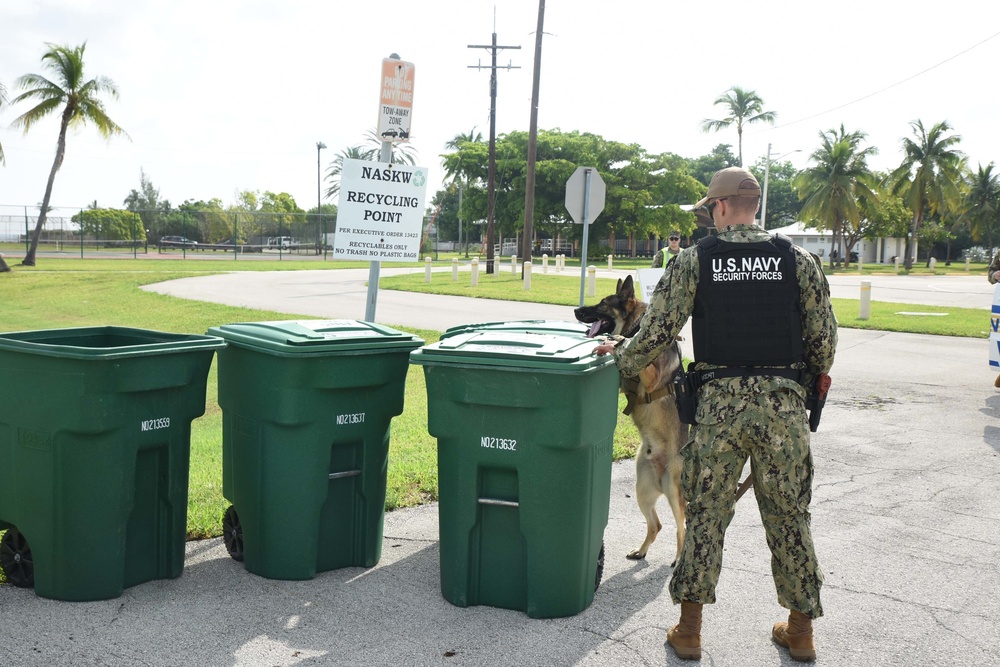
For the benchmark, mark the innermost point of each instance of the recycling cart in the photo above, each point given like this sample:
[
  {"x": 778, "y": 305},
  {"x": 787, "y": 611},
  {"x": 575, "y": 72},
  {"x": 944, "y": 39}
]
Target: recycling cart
[
  {"x": 306, "y": 411},
  {"x": 524, "y": 423},
  {"x": 95, "y": 439}
]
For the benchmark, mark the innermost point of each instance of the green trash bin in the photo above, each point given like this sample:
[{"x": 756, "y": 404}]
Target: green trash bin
[
  {"x": 513, "y": 326},
  {"x": 306, "y": 411},
  {"x": 524, "y": 423},
  {"x": 95, "y": 439}
]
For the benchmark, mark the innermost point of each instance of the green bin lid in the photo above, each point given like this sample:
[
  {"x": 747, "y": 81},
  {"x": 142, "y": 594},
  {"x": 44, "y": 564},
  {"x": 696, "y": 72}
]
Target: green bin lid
[
  {"x": 542, "y": 326},
  {"x": 315, "y": 336},
  {"x": 515, "y": 350},
  {"x": 106, "y": 342}
]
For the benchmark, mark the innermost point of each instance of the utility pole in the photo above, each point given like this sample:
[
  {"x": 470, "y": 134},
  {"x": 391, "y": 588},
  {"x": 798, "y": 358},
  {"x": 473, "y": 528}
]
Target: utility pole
[
  {"x": 491, "y": 184},
  {"x": 529, "y": 189}
]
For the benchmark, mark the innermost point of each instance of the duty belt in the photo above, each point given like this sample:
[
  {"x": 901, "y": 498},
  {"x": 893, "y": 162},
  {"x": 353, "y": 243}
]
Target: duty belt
[{"x": 701, "y": 377}]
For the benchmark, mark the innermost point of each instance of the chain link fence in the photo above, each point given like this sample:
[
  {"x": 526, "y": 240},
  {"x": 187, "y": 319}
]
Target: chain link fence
[{"x": 89, "y": 231}]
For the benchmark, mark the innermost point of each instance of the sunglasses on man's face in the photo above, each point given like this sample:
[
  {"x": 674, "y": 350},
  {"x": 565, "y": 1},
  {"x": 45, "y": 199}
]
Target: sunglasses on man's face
[
  {"x": 674, "y": 238},
  {"x": 710, "y": 207}
]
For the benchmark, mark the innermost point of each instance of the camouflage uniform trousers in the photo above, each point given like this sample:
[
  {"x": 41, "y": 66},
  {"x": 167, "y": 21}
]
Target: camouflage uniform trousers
[{"x": 777, "y": 443}]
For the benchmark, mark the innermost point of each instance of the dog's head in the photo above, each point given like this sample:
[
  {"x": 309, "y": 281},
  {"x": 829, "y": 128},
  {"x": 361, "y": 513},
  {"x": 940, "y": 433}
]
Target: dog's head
[{"x": 616, "y": 314}]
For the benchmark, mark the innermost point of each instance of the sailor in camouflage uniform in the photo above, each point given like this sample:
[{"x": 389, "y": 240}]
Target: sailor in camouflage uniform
[{"x": 762, "y": 333}]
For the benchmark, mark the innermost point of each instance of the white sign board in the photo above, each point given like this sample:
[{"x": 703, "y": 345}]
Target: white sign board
[
  {"x": 381, "y": 211},
  {"x": 576, "y": 191},
  {"x": 648, "y": 278},
  {"x": 395, "y": 100}
]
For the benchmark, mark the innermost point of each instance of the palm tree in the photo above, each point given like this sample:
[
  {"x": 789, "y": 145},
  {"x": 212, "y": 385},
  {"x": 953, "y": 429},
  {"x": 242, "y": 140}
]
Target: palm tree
[
  {"x": 3, "y": 101},
  {"x": 337, "y": 167},
  {"x": 831, "y": 188},
  {"x": 79, "y": 103},
  {"x": 745, "y": 107},
  {"x": 929, "y": 177},
  {"x": 401, "y": 154},
  {"x": 455, "y": 173},
  {"x": 455, "y": 144},
  {"x": 982, "y": 204}
]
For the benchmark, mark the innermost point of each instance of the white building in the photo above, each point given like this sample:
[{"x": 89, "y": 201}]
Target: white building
[{"x": 880, "y": 251}]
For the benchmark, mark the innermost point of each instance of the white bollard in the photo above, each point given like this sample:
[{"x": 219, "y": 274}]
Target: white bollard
[
  {"x": 527, "y": 276},
  {"x": 559, "y": 262},
  {"x": 513, "y": 265},
  {"x": 610, "y": 262},
  {"x": 545, "y": 263},
  {"x": 866, "y": 299},
  {"x": 861, "y": 264},
  {"x": 427, "y": 269},
  {"x": 966, "y": 264},
  {"x": 454, "y": 268},
  {"x": 896, "y": 263},
  {"x": 932, "y": 263},
  {"x": 475, "y": 271},
  {"x": 591, "y": 280}
]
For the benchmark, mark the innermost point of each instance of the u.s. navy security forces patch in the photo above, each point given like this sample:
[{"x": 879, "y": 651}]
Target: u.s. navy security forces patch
[{"x": 746, "y": 269}]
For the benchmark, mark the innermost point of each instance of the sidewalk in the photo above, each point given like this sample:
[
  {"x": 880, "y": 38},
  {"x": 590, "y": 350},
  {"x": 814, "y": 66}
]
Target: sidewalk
[{"x": 905, "y": 521}]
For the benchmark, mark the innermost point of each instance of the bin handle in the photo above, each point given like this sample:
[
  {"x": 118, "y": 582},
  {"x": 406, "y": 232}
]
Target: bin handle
[
  {"x": 498, "y": 502},
  {"x": 346, "y": 473}
]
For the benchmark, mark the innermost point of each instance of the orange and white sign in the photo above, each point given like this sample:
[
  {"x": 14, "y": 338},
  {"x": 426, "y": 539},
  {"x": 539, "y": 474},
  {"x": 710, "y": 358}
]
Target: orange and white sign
[{"x": 396, "y": 100}]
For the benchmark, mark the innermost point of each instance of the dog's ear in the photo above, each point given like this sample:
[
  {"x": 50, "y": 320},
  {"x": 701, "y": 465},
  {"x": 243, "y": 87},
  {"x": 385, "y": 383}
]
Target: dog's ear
[
  {"x": 626, "y": 290},
  {"x": 618, "y": 290}
]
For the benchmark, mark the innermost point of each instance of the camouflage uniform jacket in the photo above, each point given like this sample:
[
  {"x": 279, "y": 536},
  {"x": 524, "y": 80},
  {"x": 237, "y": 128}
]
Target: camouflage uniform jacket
[
  {"x": 994, "y": 267},
  {"x": 673, "y": 302}
]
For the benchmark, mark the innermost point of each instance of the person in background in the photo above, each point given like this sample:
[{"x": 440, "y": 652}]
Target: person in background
[
  {"x": 993, "y": 275},
  {"x": 664, "y": 255}
]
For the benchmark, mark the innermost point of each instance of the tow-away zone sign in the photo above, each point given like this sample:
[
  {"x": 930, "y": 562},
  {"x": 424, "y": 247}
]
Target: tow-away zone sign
[{"x": 381, "y": 211}]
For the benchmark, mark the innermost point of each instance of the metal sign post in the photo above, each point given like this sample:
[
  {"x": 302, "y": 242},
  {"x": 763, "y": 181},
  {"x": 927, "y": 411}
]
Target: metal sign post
[
  {"x": 586, "y": 229},
  {"x": 585, "y": 193}
]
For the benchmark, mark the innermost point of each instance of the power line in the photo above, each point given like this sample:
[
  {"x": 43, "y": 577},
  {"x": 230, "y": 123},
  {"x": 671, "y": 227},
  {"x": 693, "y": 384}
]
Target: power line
[{"x": 878, "y": 92}]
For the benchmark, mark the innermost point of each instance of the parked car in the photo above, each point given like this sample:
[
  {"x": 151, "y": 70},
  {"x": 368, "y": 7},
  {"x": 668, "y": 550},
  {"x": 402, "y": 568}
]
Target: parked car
[
  {"x": 283, "y": 242},
  {"x": 177, "y": 240}
]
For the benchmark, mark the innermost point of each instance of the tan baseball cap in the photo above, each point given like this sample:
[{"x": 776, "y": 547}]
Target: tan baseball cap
[{"x": 730, "y": 182}]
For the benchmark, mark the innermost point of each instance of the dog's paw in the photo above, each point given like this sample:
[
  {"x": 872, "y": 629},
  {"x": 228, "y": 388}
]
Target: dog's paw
[{"x": 636, "y": 555}]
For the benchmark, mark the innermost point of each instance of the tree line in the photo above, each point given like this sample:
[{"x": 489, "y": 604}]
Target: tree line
[{"x": 933, "y": 196}]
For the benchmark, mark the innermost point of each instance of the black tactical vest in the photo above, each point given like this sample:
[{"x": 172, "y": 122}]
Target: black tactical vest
[{"x": 746, "y": 309}]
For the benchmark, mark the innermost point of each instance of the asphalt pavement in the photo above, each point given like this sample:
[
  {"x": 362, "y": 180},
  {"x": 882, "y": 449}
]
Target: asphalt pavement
[{"x": 905, "y": 521}]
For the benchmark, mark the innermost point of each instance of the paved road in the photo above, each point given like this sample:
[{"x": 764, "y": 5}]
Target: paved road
[{"x": 905, "y": 520}]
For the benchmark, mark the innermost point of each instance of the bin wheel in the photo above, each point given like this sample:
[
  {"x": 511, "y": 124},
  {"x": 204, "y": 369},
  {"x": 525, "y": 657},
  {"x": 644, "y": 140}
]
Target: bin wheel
[
  {"x": 232, "y": 534},
  {"x": 600, "y": 568},
  {"x": 15, "y": 559}
]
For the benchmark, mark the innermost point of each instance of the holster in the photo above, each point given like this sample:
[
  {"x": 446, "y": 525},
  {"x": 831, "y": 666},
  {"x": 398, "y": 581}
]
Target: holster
[{"x": 686, "y": 393}]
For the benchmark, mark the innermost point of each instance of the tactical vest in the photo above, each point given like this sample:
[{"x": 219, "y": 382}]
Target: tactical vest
[{"x": 746, "y": 309}]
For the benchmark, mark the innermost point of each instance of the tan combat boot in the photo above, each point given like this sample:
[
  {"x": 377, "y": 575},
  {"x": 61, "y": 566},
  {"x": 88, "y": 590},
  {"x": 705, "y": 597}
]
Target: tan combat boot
[
  {"x": 685, "y": 637},
  {"x": 996, "y": 383},
  {"x": 797, "y": 636}
]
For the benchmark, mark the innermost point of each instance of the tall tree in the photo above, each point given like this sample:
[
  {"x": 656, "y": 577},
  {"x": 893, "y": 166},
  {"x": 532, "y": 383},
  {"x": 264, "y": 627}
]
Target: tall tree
[
  {"x": 745, "y": 107},
  {"x": 929, "y": 177},
  {"x": 147, "y": 202},
  {"x": 78, "y": 101},
  {"x": 3, "y": 101},
  {"x": 831, "y": 187},
  {"x": 982, "y": 204},
  {"x": 336, "y": 167}
]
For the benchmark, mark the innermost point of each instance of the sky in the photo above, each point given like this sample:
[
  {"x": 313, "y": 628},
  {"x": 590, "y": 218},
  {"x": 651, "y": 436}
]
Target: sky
[{"x": 219, "y": 96}]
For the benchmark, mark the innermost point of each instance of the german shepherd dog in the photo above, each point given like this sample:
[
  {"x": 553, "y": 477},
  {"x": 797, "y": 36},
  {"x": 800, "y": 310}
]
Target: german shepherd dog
[{"x": 653, "y": 410}]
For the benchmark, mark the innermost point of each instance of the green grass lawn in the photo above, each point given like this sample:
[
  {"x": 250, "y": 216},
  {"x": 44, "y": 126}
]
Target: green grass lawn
[
  {"x": 106, "y": 292},
  {"x": 63, "y": 293}
]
